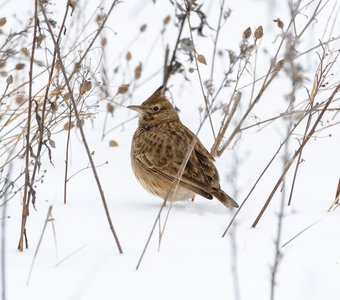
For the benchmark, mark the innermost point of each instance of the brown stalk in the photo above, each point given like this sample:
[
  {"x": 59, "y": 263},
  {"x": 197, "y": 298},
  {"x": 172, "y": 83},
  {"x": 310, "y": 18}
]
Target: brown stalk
[
  {"x": 261, "y": 175},
  {"x": 250, "y": 108},
  {"x": 272, "y": 72},
  {"x": 41, "y": 125},
  {"x": 319, "y": 80},
  {"x": 166, "y": 76},
  {"x": 295, "y": 155},
  {"x": 336, "y": 201},
  {"x": 67, "y": 154},
  {"x": 225, "y": 124},
  {"x": 171, "y": 191},
  {"x": 27, "y": 188},
  {"x": 236, "y": 96},
  {"x": 166, "y": 58},
  {"x": 82, "y": 133}
]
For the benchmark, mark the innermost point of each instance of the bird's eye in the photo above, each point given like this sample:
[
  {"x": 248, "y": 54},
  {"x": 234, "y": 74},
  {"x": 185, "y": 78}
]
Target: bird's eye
[{"x": 155, "y": 108}]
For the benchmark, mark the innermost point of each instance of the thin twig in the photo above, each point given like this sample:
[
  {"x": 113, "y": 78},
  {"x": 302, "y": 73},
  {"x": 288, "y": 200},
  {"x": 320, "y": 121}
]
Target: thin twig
[
  {"x": 39, "y": 243},
  {"x": 261, "y": 175},
  {"x": 280, "y": 216},
  {"x": 301, "y": 232},
  {"x": 206, "y": 100},
  {"x": 336, "y": 201},
  {"x": 67, "y": 149},
  {"x": 172, "y": 191},
  {"x": 82, "y": 133},
  {"x": 291, "y": 160},
  {"x": 28, "y": 188},
  {"x": 268, "y": 80},
  {"x": 168, "y": 71},
  {"x": 70, "y": 255}
]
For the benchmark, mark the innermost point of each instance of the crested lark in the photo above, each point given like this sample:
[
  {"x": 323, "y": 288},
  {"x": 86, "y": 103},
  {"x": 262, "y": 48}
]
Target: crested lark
[{"x": 160, "y": 145}]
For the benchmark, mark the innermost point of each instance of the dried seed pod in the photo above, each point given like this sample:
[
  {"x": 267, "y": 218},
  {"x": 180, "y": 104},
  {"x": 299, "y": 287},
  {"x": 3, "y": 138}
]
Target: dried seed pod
[
  {"x": 81, "y": 123},
  {"x": 72, "y": 3},
  {"x": 85, "y": 87},
  {"x": 39, "y": 39},
  {"x": 9, "y": 80},
  {"x": 166, "y": 20},
  {"x": 58, "y": 64},
  {"x": 123, "y": 89},
  {"x": 143, "y": 28},
  {"x": 232, "y": 56},
  {"x": 138, "y": 71},
  {"x": 3, "y": 21},
  {"x": 201, "y": 59},
  {"x": 128, "y": 56},
  {"x": 20, "y": 99},
  {"x": 113, "y": 143},
  {"x": 25, "y": 52},
  {"x": 279, "y": 23},
  {"x": 258, "y": 33},
  {"x": 247, "y": 33},
  {"x": 77, "y": 66},
  {"x": 100, "y": 18},
  {"x": 280, "y": 64},
  {"x": 52, "y": 143},
  {"x": 19, "y": 66},
  {"x": 54, "y": 106},
  {"x": 68, "y": 125},
  {"x": 110, "y": 108},
  {"x": 103, "y": 41},
  {"x": 66, "y": 96}
]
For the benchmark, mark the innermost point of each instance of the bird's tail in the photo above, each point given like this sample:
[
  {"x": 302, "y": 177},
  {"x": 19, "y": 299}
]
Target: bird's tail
[{"x": 225, "y": 199}]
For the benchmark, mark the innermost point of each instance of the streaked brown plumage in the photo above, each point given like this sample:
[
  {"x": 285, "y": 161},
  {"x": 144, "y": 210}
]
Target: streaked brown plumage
[{"x": 159, "y": 146}]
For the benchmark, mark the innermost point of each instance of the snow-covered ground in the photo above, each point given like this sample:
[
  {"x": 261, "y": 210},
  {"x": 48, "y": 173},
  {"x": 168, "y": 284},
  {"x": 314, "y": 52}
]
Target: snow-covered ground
[{"x": 81, "y": 260}]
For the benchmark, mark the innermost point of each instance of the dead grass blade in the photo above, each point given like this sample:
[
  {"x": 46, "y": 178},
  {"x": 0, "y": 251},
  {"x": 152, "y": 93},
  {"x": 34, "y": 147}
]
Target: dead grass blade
[
  {"x": 336, "y": 202},
  {"x": 39, "y": 243},
  {"x": 295, "y": 155},
  {"x": 87, "y": 148},
  {"x": 301, "y": 232}
]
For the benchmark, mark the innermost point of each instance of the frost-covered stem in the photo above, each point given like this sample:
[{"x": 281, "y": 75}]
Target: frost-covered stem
[
  {"x": 233, "y": 232},
  {"x": 280, "y": 216}
]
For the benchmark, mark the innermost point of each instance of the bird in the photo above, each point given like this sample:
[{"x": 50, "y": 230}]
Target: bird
[{"x": 168, "y": 159}]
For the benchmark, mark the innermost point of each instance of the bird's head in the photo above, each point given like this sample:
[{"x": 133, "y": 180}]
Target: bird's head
[{"x": 156, "y": 109}]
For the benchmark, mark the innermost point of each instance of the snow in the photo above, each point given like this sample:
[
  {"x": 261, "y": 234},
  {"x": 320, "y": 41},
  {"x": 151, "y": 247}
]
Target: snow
[{"x": 194, "y": 261}]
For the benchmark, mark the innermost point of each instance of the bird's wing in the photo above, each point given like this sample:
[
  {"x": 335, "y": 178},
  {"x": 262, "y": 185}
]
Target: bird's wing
[
  {"x": 200, "y": 169},
  {"x": 199, "y": 174},
  {"x": 164, "y": 173}
]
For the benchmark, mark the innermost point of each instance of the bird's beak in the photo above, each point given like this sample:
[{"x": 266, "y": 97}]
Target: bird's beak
[{"x": 137, "y": 108}]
